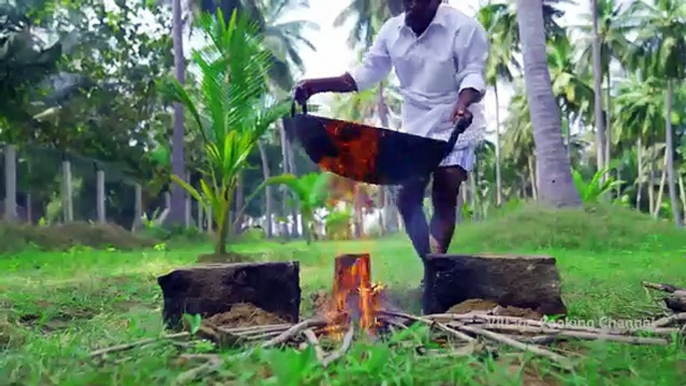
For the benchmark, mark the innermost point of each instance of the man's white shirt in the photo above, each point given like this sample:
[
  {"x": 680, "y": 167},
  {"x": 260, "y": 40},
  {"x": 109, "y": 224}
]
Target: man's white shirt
[{"x": 432, "y": 69}]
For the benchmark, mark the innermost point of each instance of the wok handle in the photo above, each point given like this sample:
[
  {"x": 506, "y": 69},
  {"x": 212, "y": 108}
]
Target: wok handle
[
  {"x": 303, "y": 106},
  {"x": 460, "y": 126}
]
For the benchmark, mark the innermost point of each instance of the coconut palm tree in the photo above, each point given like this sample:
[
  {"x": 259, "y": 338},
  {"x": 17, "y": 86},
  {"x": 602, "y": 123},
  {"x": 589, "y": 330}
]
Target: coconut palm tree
[
  {"x": 638, "y": 118},
  {"x": 613, "y": 45},
  {"x": 555, "y": 182},
  {"x": 500, "y": 67},
  {"x": 177, "y": 204},
  {"x": 571, "y": 90},
  {"x": 660, "y": 51}
]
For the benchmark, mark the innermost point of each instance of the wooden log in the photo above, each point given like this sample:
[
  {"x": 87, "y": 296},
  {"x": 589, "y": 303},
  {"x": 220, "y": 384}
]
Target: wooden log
[
  {"x": 211, "y": 289},
  {"x": 521, "y": 281}
]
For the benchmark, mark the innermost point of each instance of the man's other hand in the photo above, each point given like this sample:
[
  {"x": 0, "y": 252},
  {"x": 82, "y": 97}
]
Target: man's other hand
[
  {"x": 461, "y": 112},
  {"x": 303, "y": 90}
]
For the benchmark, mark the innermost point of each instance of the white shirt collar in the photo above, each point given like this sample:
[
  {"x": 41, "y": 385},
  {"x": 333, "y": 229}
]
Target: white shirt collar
[{"x": 438, "y": 20}]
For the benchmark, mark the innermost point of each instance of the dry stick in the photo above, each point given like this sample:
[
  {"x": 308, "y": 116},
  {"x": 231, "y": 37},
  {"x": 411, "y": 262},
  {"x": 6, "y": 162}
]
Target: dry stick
[
  {"x": 312, "y": 339},
  {"x": 345, "y": 346},
  {"x": 213, "y": 364},
  {"x": 538, "y": 339},
  {"x": 428, "y": 322},
  {"x": 395, "y": 323},
  {"x": 291, "y": 332},
  {"x": 255, "y": 329},
  {"x": 264, "y": 335},
  {"x": 142, "y": 342},
  {"x": 504, "y": 320},
  {"x": 560, "y": 360},
  {"x": 577, "y": 334},
  {"x": 663, "y": 322}
]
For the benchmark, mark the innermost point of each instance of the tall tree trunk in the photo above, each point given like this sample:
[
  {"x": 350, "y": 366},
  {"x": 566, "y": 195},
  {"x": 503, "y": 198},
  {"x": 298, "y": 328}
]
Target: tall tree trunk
[
  {"x": 639, "y": 183},
  {"x": 199, "y": 216},
  {"x": 598, "y": 90},
  {"x": 29, "y": 200},
  {"x": 187, "y": 204},
  {"x": 651, "y": 181},
  {"x": 284, "y": 163},
  {"x": 555, "y": 183},
  {"x": 239, "y": 205},
  {"x": 661, "y": 190},
  {"x": 298, "y": 221},
  {"x": 382, "y": 209},
  {"x": 498, "y": 176},
  {"x": 532, "y": 178},
  {"x": 608, "y": 117},
  {"x": 267, "y": 190},
  {"x": 473, "y": 197},
  {"x": 176, "y": 210},
  {"x": 683, "y": 194},
  {"x": 671, "y": 178},
  {"x": 100, "y": 195},
  {"x": 358, "y": 215},
  {"x": 67, "y": 196},
  {"x": 10, "y": 183}
]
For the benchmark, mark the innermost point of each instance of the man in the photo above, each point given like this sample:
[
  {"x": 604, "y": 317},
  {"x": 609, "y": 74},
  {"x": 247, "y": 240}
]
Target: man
[{"x": 439, "y": 55}]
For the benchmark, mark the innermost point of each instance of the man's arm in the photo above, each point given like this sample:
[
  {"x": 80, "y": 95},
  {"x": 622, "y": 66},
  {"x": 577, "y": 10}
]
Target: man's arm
[
  {"x": 375, "y": 66},
  {"x": 471, "y": 49}
]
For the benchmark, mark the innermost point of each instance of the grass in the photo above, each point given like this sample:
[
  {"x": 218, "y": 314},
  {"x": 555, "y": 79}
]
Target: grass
[{"x": 55, "y": 307}]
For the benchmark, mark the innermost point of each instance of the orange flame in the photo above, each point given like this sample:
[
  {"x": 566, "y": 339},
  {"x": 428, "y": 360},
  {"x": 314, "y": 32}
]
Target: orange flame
[{"x": 355, "y": 298}]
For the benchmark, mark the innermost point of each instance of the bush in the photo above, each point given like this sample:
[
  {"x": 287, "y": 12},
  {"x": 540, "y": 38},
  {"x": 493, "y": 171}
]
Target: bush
[{"x": 598, "y": 227}]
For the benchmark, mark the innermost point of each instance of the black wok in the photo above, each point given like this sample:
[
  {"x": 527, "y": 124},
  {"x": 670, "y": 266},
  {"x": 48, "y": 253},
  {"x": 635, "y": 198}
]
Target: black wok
[{"x": 365, "y": 153}]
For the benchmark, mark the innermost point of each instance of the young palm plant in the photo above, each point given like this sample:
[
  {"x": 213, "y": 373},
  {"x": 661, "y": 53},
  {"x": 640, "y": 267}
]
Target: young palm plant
[{"x": 231, "y": 112}]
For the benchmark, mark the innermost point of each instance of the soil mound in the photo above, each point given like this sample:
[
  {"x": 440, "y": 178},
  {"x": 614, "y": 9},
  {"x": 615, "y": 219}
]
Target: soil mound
[
  {"x": 477, "y": 305},
  {"x": 61, "y": 237},
  {"x": 244, "y": 315}
]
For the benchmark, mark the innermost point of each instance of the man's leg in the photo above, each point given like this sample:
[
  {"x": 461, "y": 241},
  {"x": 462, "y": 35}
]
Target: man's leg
[
  {"x": 410, "y": 205},
  {"x": 446, "y": 186}
]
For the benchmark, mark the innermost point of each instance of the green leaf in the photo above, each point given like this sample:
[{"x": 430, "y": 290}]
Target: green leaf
[{"x": 187, "y": 187}]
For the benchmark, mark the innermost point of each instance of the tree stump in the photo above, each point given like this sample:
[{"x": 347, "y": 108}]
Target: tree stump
[
  {"x": 211, "y": 289},
  {"x": 520, "y": 281}
]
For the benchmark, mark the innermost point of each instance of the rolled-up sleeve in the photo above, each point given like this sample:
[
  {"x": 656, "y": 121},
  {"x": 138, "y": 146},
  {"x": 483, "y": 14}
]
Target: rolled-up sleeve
[
  {"x": 376, "y": 63},
  {"x": 471, "y": 49}
]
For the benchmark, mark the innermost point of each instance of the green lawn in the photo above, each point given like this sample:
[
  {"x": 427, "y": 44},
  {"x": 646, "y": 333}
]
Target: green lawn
[{"x": 57, "y": 307}]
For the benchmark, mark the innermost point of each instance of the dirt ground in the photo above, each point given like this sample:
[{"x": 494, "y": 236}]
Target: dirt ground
[{"x": 244, "y": 315}]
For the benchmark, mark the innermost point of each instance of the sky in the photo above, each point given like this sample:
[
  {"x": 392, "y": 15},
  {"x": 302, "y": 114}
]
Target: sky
[{"x": 333, "y": 57}]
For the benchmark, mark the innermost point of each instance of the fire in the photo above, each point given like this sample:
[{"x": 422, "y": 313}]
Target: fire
[{"x": 355, "y": 299}]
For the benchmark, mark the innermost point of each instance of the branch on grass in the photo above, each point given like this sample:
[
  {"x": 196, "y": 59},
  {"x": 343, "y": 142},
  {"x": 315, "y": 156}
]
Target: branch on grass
[
  {"x": 139, "y": 343},
  {"x": 558, "y": 359},
  {"x": 293, "y": 331},
  {"x": 577, "y": 334},
  {"x": 345, "y": 346},
  {"x": 669, "y": 320},
  {"x": 212, "y": 364},
  {"x": 517, "y": 321},
  {"x": 314, "y": 342},
  {"x": 431, "y": 323}
]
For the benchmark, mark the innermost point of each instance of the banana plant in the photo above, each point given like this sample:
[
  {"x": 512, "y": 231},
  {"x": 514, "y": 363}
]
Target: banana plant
[{"x": 231, "y": 111}]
